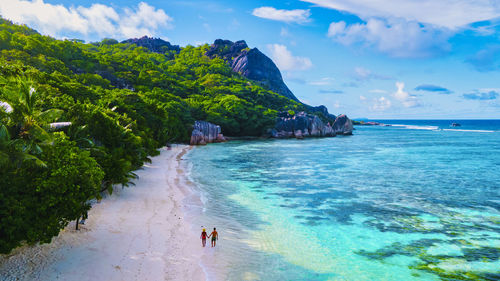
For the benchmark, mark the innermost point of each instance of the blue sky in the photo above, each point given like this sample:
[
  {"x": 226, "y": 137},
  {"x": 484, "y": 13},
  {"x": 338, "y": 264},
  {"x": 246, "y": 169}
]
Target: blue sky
[{"x": 408, "y": 59}]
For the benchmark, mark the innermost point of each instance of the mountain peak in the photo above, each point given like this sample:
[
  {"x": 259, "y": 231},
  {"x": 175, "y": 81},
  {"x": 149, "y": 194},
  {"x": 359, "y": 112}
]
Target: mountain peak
[
  {"x": 252, "y": 64},
  {"x": 256, "y": 66}
]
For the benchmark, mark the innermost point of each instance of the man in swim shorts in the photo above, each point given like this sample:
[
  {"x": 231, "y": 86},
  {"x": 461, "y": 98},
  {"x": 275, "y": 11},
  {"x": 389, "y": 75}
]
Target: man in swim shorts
[
  {"x": 203, "y": 237},
  {"x": 215, "y": 237}
]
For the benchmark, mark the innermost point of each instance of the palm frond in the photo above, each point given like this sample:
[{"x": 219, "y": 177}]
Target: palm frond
[
  {"x": 49, "y": 115},
  {"x": 4, "y": 134},
  {"x": 41, "y": 135},
  {"x": 38, "y": 162}
]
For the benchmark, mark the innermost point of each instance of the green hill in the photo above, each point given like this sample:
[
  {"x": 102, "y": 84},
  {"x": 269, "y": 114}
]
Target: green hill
[{"x": 123, "y": 102}]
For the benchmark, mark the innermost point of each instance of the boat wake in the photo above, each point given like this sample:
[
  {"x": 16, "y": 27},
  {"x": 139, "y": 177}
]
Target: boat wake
[
  {"x": 416, "y": 127},
  {"x": 437, "y": 128}
]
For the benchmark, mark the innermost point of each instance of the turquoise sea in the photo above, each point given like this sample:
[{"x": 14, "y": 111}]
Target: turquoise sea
[{"x": 418, "y": 200}]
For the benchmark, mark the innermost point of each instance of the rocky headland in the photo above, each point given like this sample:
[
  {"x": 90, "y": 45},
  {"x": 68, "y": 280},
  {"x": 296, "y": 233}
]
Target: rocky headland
[{"x": 254, "y": 65}]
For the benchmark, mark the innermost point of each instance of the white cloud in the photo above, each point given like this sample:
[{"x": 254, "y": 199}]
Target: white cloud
[
  {"x": 451, "y": 14},
  {"x": 410, "y": 28},
  {"x": 396, "y": 37},
  {"x": 98, "y": 19},
  {"x": 285, "y": 60},
  {"x": 404, "y": 97},
  {"x": 336, "y": 28},
  {"x": 362, "y": 73},
  {"x": 289, "y": 16},
  {"x": 380, "y": 104},
  {"x": 321, "y": 82},
  {"x": 376, "y": 104},
  {"x": 145, "y": 21},
  {"x": 49, "y": 18},
  {"x": 378, "y": 91},
  {"x": 383, "y": 103}
]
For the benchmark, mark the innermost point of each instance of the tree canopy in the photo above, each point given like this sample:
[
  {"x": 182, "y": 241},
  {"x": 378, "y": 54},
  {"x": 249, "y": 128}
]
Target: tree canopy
[{"x": 120, "y": 103}]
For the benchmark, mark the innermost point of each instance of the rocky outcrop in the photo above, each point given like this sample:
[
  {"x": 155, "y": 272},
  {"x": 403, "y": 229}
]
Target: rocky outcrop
[
  {"x": 303, "y": 125},
  {"x": 156, "y": 45},
  {"x": 252, "y": 64},
  {"x": 226, "y": 49},
  {"x": 300, "y": 125},
  {"x": 258, "y": 67},
  {"x": 205, "y": 132},
  {"x": 343, "y": 125}
]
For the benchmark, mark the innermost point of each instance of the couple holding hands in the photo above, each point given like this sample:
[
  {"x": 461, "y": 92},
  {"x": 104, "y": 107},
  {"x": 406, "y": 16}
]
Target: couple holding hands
[{"x": 214, "y": 235}]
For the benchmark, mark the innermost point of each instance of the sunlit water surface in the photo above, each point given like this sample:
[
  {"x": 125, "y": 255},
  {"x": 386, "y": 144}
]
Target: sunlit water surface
[{"x": 415, "y": 201}]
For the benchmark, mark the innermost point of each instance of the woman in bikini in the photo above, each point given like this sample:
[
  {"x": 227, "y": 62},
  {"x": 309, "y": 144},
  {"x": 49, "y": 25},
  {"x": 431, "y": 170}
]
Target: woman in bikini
[{"x": 203, "y": 237}]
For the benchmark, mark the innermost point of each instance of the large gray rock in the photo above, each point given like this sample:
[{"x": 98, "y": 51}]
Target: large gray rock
[
  {"x": 205, "y": 132},
  {"x": 343, "y": 125},
  {"x": 301, "y": 125},
  {"x": 256, "y": 66},
  {"x": 252, "y": 64}
]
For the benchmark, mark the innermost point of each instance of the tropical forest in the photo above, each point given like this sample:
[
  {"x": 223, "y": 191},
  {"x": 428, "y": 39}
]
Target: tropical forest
[{"x": 77, "y": 118}]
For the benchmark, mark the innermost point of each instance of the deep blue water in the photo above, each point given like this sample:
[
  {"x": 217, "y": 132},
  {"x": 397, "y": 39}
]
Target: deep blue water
[{"x": 418, "y": 201}]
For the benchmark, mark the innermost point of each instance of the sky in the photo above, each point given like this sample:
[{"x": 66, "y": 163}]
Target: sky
[{"x": 377, "y": 59}]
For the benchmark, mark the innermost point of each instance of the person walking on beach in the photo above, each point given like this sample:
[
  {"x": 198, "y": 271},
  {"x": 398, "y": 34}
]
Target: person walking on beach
[
  {"x": 215, "y": 237},
  {"x": 203, "y": 237}
]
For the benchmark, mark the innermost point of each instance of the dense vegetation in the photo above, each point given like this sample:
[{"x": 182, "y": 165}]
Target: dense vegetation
[{"x": 123, "y": 102}]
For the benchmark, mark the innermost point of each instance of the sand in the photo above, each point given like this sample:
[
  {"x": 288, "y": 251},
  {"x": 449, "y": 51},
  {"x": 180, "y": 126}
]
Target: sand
[{"x": 138, "y": 233}]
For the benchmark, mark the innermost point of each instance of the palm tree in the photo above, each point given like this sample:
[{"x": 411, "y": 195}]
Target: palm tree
[{"x": 29, "y": 125}]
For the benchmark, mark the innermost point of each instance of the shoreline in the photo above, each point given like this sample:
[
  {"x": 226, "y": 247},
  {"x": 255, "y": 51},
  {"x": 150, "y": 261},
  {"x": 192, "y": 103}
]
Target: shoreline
[{"x": 142, "y": 232}]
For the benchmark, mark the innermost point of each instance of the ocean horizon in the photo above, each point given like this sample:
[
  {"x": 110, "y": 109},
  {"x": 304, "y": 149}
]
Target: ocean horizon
[{"x": 417, "y": 200}]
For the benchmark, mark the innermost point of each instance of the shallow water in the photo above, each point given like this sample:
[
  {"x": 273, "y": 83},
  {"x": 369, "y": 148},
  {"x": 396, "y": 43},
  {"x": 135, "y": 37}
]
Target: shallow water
[{"x": 389, "y": 203}]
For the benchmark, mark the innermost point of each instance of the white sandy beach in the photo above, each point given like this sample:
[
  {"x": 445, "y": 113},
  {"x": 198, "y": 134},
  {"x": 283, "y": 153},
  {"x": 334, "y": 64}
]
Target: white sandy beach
[{"x": 138, "y": 233}]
